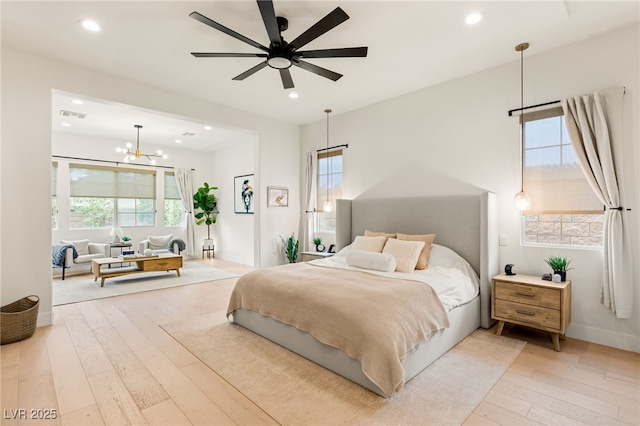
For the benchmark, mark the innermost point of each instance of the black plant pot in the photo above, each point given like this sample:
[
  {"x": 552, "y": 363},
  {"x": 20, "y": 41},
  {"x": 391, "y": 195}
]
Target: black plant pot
[
  {"x": 319, "y": 247},
  {"x": 563, "y": 275}
]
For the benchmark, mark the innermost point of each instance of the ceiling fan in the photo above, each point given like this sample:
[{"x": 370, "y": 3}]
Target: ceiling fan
[{"x": 281, "y": 55}]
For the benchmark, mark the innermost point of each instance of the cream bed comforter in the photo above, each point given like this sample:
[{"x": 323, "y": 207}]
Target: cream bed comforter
[{"x": 374, "y": 319}]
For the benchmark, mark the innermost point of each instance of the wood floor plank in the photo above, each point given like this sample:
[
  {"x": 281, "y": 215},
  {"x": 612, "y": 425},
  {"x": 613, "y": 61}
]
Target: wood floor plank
[
  {"x": 559, "y": 406},
  {"x": 37, "y": 395},
  {"x": 198, "y": 408},
  {"x": 116, "y": 405},
  {"x": 547, "y": 417},
  {"x": 87, "y": 416},
  {"x": 477, "y": 420},
  {"x": 166, "y": 413},
  {"x": 508, "y": 402},
  {"x": 501, "y": 416},
  {"x": 235, "y": 405}
]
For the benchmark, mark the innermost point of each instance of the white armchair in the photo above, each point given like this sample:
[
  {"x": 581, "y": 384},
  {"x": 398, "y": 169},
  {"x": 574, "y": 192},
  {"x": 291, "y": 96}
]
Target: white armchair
[
  {"x": 159, "y": 244},
  {"x": 86, "y": 252}
]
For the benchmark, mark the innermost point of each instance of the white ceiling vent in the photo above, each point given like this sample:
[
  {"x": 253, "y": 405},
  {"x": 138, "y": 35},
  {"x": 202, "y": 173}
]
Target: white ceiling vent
[
  {"x": 189, "y": 134},
  {"x": 72, "y": 114}
]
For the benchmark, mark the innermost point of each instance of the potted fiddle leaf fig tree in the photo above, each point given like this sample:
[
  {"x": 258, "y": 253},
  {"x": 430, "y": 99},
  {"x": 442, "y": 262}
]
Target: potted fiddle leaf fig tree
[{"x": 205, "y": 205}]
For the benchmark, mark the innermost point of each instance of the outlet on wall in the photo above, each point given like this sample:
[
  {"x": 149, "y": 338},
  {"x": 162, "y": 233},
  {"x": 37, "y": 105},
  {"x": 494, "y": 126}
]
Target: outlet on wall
[{"x": 503, "y": 239}]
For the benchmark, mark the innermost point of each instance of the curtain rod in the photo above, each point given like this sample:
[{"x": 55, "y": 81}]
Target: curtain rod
[
  {"x": 532, "y": 106},
  {"x": 117, "y": 163},
  {"x": 333, "y": 147}
]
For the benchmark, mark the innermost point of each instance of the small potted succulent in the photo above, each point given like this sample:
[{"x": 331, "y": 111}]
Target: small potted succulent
[
  {"x": 559, "y": 265},
  {"x": 318, "y": 243}
]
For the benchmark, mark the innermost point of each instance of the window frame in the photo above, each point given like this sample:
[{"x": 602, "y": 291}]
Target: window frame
[
  {"x": 576, "y": 219},
  {"x": 321, "y": 195}
]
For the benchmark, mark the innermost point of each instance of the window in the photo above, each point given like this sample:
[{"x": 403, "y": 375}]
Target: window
[
  {"x": 54, "y": 195},
  {"x": 104, "y": 196},
  {"x": 329, "y": 184},
  {"x": 564, "y": 209},
  {"x": 173, "y": 208}
]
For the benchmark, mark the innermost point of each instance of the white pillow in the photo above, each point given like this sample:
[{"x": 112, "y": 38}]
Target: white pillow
[
  {"x": 159, "y": 242},
  {"x": 406, "y": 253},
  {"x": 368, "y": 260},
  {"x": 82, "y": 246},
  {"x": 374, "y": 244}
]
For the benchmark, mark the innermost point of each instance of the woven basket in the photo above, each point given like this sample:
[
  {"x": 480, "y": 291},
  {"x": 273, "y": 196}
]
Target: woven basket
[{"x": 18, "y": 319}]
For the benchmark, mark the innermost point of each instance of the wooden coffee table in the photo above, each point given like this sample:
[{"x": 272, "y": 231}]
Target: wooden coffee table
[{"x": 163, "y": 262}]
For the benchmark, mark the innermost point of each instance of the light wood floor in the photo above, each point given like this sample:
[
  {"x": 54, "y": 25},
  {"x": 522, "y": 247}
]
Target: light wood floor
[{"x": 106, "y": 362}]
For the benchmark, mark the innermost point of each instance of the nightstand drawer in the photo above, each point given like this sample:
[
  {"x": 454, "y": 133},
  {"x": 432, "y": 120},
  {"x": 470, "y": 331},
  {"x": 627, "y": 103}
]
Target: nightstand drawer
[
  {"x": 528, "y": 314},
  {"x": 545, "y": 297}
]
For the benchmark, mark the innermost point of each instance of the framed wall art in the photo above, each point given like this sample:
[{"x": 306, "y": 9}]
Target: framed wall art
[
  {"x": 243, "y": 194},
  {"x": 277, "y": 196}
]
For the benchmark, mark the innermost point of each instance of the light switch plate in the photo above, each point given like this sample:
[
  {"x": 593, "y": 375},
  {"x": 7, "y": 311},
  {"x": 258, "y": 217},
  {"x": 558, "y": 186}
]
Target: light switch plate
[{"x": 503, "y": 239}]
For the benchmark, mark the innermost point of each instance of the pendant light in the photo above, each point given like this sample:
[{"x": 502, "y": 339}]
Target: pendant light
[
  {"x": 130, "y": 155},
  {"x": 327, "y": 204},
  {"x": 521, "y": 199}
]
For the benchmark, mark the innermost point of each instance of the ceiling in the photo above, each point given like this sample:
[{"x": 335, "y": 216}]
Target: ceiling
[{"x": 412, "y": 45}]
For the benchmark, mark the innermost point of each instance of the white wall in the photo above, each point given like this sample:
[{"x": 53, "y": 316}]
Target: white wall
[
  {"x": 25, "y": 231},
  {"x": 457, "y": 138},
  {"x": 233, "y": 233}
]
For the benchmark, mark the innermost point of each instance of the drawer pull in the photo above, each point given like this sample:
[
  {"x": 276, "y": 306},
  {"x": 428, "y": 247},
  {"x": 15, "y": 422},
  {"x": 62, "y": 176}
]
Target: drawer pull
[
  {"x": 531, "y": 314},
  {"x": 525, "y": 294}
]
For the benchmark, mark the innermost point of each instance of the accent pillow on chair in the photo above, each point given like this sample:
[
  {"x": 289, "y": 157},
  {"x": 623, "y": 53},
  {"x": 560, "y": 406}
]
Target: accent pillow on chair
[{"x": 159, "y": 242}]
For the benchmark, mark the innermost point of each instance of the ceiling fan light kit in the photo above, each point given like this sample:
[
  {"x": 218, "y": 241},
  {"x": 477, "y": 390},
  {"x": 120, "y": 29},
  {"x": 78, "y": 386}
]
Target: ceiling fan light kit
[{"x": 281, "y": 55}]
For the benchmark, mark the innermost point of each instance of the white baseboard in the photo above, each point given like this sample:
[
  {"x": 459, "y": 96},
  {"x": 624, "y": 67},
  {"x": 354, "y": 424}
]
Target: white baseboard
[
  {"x": 44, "y": 318},
  {"x": 627, "y": 342}
]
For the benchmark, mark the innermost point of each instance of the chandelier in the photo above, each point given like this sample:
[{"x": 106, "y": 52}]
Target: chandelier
[{"x": 134, "y": 155}]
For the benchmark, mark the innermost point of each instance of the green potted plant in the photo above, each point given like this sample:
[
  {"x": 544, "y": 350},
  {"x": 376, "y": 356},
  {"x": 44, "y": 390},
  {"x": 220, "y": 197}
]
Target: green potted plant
[
  {"x": 559, "y": 265},
  {"x": 290, "y": 246},
  {"x": 205, "y": 204},
  {"x": 318, "y": 243},
  {"x": 126, "y": 239}
]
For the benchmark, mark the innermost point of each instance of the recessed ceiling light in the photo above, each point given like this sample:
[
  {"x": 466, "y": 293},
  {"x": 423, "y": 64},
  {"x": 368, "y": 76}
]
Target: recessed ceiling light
[
  {"x": 207, "y": 127},
  {"x": 90, "y": 25},
  {"x": 178, "y": 141},
  {"x": 77, "y": 102},
  {"x": 66, "y": 124},
  {"x": 293, "y": 95},
  {"x": 473, "y": 18}
]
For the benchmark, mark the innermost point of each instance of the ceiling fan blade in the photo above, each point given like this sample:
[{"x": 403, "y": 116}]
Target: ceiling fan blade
[
  {"x": 346, "y": 52},
  {"x": 228, "y": 55},
  {"x": 250, "y": 71},
  {"x": 333, "y": 19},
  {"x": 287, "y": 81},
  {"x": 317, "y": 70},
  {"x": 270, "y": 21},
  {"x": 220, "y": 27}
]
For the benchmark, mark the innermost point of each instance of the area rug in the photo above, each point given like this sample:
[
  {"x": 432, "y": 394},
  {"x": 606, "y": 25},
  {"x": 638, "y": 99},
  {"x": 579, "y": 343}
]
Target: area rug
[
  {"x": 295, "y": 391},
  {"x": 78, "y": 290}
]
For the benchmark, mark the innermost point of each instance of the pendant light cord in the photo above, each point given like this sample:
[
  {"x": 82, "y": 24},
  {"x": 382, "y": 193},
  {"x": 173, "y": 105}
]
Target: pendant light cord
[
  {"x": 328, "y": 111},
  {"x": 521, "y": 120}
]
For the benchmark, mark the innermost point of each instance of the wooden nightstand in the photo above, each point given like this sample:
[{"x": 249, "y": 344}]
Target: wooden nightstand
[
  {"x": 532, "y": 302},
  {"x": 312, "y": 255}
]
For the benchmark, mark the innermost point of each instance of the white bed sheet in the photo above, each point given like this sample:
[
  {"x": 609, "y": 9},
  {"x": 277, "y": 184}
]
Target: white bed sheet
[{"x": 453, "y": 279}]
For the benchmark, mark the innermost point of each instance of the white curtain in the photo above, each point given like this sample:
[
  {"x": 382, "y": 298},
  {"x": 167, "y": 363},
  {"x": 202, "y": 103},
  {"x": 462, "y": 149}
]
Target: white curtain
[
  {"x": 308, "y": 202},
  {"x": 593, "y": 121},
  {"x": 184, "y": 181}
]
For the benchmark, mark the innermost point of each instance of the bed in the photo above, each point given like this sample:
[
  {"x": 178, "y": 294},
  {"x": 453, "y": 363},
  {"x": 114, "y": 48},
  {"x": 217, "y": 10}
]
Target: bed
[{"x": 465, "y": 224}]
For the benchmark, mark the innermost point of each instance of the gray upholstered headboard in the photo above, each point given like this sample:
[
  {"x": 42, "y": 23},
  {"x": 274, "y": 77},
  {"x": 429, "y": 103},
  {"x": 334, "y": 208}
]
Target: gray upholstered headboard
[{"x": 464, "y": 223}]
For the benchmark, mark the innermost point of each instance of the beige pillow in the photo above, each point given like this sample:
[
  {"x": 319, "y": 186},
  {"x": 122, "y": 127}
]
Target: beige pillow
[
  {"x": 374, "y": 244},
  {"x": 369, "y": 260},
  {"x": 428, "y": 240},
  {"x": 368, "y": 233},
  {"x": 159, "y": 242},
  {"x": 82, "y": 246},
  {"x": 406, "y": 253}
]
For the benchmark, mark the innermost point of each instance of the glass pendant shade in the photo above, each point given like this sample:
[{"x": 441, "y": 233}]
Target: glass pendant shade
[
  {"x": 327, "y": 207},
  {"x": 522, "y": 201}
]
